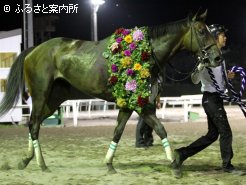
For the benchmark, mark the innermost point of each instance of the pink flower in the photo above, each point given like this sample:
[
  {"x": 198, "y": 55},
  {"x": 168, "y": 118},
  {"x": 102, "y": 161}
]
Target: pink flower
[
  {"x": 127, "y": 53},
  {"x": 114, "y": 68},
  {"x": 131, "y": 85},
  {"x": 138, "y": 35},
  {"x": 129, "y": 72},
  {"x": 125, "y": 32},
  {"x": 118, "y": 40},
  {"x": 132, "y": 46}
]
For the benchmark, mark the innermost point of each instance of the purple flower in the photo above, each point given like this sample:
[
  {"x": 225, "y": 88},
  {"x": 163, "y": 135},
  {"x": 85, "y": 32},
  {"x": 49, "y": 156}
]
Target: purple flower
[
  {"x": 114, "y": 68},
  {"x": 125, "y": 32},
  {"x": 118, "y": 40},
  {"x": 129, "y": 72},
  {"x": 132, "y": 46},
  {"x": 127, "y": 53},
  {"x": 131, "y": 85},
  {"x": 138, "y": 35}
]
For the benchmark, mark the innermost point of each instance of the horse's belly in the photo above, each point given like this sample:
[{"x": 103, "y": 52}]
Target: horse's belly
[{"x": 90, "y": 80}]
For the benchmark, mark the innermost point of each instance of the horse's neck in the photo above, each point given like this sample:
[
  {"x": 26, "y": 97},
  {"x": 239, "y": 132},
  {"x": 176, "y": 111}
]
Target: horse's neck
[
  {"x": 167, "y": 40},
  {"x": 165, "y": 47}
]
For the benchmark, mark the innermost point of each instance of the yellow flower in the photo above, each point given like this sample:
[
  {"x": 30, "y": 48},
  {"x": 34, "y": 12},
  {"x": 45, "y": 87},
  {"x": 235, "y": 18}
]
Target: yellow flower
[
  {"x": 144, "y": 73},
  {"x": 128, "y": 39},
  {"x": 126, "y": 61},
  {"x": 137, "y": 67},
  {"x": 121, "y": 102}
]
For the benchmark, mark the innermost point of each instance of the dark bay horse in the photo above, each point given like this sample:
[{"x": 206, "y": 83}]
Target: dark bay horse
[{"x": 61, "y": 69}]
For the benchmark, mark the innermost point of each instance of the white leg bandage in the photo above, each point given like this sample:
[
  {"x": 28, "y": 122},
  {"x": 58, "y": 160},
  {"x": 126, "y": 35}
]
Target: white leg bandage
[
  {"x": 30, "y": 144},
  {"x": 111, "y": 152},
  {"x": 38, "y": 152},
  {"x": 167, "y": 148}
]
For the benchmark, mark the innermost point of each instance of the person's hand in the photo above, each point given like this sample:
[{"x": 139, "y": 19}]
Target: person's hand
[
  {"x": 201, "y": 66},
  {"x": 158, "y": 105},
  {"x": 230, "y": 75}
]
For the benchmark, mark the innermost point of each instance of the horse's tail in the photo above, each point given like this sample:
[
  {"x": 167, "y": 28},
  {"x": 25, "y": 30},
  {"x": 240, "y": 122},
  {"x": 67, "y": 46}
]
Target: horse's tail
[{"x": 15, "y": 83}]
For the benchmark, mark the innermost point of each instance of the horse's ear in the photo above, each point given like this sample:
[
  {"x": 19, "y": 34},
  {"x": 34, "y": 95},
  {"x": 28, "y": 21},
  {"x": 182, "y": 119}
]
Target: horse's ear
[
  {"x": 203, "y": 16},
  {"x": 194, "y": 18},
  {"x": 200, "y": 16}
]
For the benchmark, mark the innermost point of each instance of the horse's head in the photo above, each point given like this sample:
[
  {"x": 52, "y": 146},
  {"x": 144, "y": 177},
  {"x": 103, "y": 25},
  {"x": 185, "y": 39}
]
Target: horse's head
[{"x": 200, "y": 41}]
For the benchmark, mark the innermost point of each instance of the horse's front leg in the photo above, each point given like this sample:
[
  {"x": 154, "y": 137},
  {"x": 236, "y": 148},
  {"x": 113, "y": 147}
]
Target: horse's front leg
[
  {"x": 123, "y": 116},
  {"x": 155, "y": 123}
]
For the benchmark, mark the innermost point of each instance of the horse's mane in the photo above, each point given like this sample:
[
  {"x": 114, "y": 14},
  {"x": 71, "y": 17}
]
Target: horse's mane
[{"x": 172, "y": 27}]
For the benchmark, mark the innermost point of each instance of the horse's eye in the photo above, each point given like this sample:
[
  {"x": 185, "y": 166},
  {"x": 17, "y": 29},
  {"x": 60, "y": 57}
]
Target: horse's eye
[{"x": 201, "y": 31}]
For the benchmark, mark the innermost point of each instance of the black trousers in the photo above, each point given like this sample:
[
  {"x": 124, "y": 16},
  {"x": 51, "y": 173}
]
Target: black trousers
[
  {"x": 218, "y": 125},
  {"x": 143, "y": 133}
]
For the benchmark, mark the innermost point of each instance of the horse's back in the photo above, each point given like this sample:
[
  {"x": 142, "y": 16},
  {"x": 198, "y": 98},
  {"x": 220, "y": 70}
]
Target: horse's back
[{"x": 78, "y": 62}]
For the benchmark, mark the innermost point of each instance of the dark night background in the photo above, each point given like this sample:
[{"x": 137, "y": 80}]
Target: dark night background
[{"x": 130, "y": 13}]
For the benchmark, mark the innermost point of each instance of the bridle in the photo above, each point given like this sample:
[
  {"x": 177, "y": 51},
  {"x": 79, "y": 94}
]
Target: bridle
[
  {"x": 203, "y": 57},
  {"x": 203, "y": 50}
]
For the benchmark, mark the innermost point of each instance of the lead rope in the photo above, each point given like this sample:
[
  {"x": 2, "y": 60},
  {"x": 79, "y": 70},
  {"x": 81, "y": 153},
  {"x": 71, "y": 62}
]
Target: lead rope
[
  {"x": 242, "y": 73},
  {"x": 236, "y": 97}
]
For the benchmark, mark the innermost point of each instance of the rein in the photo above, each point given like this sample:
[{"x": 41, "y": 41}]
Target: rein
[
  {"x": 188, "y": 74},
  {"x": 204, "y": 57},
  {"x": 236, "y": 96}
]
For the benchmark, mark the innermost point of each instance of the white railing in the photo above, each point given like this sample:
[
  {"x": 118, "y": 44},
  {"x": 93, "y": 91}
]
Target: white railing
[
  {"x": 91, "y": 107},
  {"x": 185, "y": 101},
  {"x": 86, "y": 106},
  {"x": 97, "y": 107}
]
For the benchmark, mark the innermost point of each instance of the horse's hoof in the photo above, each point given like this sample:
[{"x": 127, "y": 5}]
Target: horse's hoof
[
  {"x": 176, "y": 170},
  {"x": 111, "y": 169},
  {"x": 22, "y": 165},
  {"x": 46, "y": 169},
  {"x": 177, "y": 173}
]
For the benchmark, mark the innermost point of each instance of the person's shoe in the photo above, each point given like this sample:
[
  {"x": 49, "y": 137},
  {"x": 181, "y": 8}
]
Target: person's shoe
[
  {"x": 234, "y": 171},
  {"x": 176, "y": 165},
  {"x": 148, "y": 144}
]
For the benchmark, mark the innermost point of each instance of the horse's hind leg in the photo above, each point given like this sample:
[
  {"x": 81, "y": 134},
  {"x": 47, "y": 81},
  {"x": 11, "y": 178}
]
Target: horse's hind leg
[
  {"x": 40, "y": 111},
  {"x": 43, "y": 107},
  {"x": 33, "y": 143},
  {"x": 123, "y": 116},
  {"x": 29, "y": 155}
]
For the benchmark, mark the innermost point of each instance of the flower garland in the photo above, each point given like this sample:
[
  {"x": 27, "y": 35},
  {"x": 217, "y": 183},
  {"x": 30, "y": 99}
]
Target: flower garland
[{"x": 128, "y": 55}]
